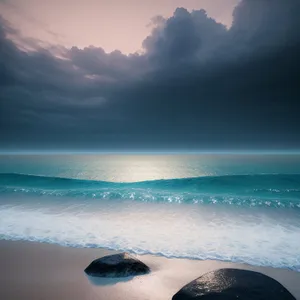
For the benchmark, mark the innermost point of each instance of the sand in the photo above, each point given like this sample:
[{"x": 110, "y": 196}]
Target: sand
[{"x": 38, "y": 271}]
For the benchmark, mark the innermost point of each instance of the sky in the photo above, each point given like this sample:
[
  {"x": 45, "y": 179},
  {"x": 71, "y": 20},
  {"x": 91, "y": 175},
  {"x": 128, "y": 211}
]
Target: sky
[
  {"x": 149, "y": 75},
  {"x": 110, "y": 24}
]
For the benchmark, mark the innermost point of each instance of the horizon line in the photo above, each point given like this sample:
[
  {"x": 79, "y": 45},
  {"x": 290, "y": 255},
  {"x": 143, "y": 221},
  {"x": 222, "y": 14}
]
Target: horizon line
[{"x": 95, "y": 152}]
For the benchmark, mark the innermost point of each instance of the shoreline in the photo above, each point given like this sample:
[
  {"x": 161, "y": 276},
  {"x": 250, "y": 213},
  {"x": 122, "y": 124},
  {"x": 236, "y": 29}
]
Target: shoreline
[
  {"x": 32, "y": 270},
  {"x": 158, "y": 255}
]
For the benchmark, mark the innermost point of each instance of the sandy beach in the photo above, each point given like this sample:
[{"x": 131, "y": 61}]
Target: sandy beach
[{"x": 42, "y": 271}]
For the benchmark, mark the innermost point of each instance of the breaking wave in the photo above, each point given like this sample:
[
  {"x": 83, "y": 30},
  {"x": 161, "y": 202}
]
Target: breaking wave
[{"x": 266, "y": 190}]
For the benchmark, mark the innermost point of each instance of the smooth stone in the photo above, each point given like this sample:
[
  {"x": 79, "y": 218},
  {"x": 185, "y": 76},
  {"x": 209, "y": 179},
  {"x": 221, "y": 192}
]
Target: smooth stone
[
  {"x": 233, "y": 284},
  {"x": 117, "y": 265}
]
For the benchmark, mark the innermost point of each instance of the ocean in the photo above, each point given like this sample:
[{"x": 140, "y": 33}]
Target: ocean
[{"x": 231, "y": 207}]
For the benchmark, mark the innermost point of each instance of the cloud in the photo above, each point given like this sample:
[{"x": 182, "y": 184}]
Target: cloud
[
  {"x": 267, "y": 23},
  {"x": 8, "y": 7},
  {"x": 197, "y": 84},
  {"x": 109, "y": 67},
  {"x": 183, "y": 37}
]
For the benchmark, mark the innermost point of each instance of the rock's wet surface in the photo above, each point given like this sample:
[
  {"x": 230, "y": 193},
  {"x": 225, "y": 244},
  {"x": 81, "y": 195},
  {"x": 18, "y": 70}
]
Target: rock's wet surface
[
  {"x": 117, "y": 265},
  {"x": 234, "y": 284}
]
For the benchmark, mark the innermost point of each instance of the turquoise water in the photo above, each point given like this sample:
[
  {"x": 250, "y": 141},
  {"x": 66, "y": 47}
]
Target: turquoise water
[{"x": 242, "y": 208}]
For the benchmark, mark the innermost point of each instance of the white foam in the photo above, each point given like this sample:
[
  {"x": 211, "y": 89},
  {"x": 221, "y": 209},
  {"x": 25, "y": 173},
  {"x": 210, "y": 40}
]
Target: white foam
[{"x": 200, "y": 232}]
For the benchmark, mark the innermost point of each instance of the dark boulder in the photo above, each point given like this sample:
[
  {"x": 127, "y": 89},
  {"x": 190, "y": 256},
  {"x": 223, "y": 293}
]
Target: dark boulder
[
  {"x": 117, "y": 265},
  {"x": 233, "y": 284}
]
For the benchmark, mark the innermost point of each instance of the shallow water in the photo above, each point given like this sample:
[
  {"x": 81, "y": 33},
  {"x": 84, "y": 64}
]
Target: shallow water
[{"x": 241, "y": 208}]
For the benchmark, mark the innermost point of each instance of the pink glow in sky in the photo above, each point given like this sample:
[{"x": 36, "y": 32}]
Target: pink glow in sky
[{"x": 110, "y": 24}]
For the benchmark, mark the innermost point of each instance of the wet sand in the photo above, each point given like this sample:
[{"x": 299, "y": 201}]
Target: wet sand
[{"x": 39, "y": 271}]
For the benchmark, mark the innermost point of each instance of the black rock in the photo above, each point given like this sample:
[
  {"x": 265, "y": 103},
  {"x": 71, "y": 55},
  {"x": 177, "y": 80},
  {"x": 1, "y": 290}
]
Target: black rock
[
  {"x": 233, "y": 284},
  {"x": 117, "y": 265}
]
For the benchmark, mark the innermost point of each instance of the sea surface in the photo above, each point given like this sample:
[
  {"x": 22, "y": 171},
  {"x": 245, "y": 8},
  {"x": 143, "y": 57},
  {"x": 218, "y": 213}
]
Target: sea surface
[{"x": 231, "y": 207}]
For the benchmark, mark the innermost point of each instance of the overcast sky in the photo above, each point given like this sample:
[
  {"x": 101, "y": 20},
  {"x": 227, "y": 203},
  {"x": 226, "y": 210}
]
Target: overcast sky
[{"x": 149, "y": 75}]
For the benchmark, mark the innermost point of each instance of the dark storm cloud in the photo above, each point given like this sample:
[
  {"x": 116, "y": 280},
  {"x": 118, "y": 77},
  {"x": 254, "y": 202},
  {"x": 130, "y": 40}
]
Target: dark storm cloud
[
  {"x": 196, "y": 85},
  {"x": 184, "y": 37}
]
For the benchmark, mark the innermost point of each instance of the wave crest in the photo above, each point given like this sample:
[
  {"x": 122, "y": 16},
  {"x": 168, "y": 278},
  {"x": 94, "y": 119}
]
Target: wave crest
[{"x": 269, "y": 190}]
